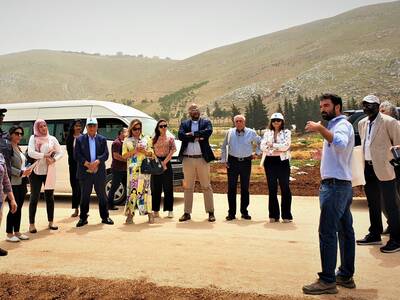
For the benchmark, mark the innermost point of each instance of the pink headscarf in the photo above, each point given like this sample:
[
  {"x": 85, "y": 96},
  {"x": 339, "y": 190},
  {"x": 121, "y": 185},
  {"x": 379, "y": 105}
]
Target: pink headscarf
[{"x": 40, "y": 138}]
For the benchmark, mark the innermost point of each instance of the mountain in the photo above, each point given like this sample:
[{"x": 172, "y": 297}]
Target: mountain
[{"x": 352, "y": 54}]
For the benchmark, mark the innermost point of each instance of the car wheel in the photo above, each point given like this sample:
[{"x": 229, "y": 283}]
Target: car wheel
[{"x": 120, "y": 193}]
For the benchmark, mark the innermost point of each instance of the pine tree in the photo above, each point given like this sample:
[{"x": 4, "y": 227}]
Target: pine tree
[
  {"x": 208, "y": 111},
  {"x": 279, "y": 110},
  {"x": 234, "y": 111}
]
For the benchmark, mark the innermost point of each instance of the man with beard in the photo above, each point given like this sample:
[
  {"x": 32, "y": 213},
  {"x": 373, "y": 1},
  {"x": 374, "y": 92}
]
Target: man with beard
[
  {"x": 196, "y": 154},
  {"x": 335, "y": 199},
  {"x": 378, "y": 133}
]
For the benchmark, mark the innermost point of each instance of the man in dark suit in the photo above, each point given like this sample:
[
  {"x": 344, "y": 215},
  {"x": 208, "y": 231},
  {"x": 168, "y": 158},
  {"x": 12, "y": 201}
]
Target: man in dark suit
[
  {"x": 91, "y": 153},
  {"x": 196, "y": 154}
]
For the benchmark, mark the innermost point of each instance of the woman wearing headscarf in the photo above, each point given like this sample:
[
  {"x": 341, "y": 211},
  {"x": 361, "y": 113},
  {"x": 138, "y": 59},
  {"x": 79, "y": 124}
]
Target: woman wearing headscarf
[{"x": 45, "y": 149}]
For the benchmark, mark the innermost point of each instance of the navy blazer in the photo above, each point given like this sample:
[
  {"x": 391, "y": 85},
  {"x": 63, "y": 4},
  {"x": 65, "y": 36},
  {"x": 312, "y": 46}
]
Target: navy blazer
[
  {"x": 205, "y": 131},
  {"x": 82, "y": 154}
]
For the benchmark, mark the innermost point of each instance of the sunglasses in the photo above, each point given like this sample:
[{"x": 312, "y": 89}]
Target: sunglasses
[
  {"x": 136, "y": 128},
  {"x": 18, "y": 133},
  {"x": 163, "y": 126},
  {"x": 276, "y": 120}
]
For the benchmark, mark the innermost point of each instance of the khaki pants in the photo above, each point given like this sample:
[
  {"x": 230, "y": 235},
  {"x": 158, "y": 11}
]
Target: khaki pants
[{"x": 197, "y": 168}]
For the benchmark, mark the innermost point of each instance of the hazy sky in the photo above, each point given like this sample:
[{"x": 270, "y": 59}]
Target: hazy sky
[{"x": 173, "y": 28}]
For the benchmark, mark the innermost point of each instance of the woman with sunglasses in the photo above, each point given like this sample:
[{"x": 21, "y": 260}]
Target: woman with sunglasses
[
  {"x": 135, "y": 148},
  {"x": 164, "y": 148},
  {"x": 6, "y": 189},
  {"x": 75, "y": 131},
  {"x": 45, "y": 149},
  {"x": 19, "y": 180},
  {"x": 276, "y": 155}
]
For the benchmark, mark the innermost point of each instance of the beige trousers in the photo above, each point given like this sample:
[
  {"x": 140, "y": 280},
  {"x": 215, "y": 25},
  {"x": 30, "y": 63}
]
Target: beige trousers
[{"x": 197, "y": 168}]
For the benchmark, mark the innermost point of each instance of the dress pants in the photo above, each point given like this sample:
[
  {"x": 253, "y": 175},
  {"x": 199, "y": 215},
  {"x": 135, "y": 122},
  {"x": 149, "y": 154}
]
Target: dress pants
[
  {"x": 243, "y": 169},
  {"x": 99, "y": 183},
  {"x": 277, "y": 170},
  {"x": 197, "y": 168},
  {"x": 74, "y": 182},
  {"x": 14, "y": 219},
  {"x": 159, "y": 183},
  {"x": 374, "y": 190}
]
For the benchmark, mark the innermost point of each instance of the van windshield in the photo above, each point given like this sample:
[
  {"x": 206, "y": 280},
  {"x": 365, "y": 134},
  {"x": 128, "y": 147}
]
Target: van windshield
[{"x": 148, "y": 125}]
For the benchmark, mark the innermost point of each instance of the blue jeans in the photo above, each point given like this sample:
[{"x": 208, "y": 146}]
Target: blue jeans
[{"x": 336, "y": 221}]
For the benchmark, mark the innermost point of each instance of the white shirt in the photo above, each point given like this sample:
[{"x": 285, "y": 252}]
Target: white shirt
[
  {"x": 193, "y": 148},
  {"x": 282, "y": 143},
  {"x": 367, "y": 142},
  {"x": 41, "y": 167}
]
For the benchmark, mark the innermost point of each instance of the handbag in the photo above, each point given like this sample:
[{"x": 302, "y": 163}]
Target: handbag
[{"x": 151, "y": 166}]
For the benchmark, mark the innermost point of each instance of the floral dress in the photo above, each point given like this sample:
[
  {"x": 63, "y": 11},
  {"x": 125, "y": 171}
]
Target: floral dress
[{"x": 138, "y": 185}]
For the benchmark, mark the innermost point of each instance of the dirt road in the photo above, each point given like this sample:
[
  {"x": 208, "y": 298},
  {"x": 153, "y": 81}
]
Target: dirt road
[{"x": 239, "y": 256}]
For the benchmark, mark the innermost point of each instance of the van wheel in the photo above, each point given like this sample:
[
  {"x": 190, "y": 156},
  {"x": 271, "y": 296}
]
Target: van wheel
[{"x": 120, "y": 193}]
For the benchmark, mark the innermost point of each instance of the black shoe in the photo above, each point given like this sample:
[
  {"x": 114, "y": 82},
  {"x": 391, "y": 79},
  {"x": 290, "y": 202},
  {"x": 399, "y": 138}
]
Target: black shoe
[
  {"x": 230, "y": 218},
  {"x": 346, "y": 282},
  {"x": 52, "y": 227},
  {"x": 107, "y": 221},
  {"x": 113, "y": 208},
  {"x": 185, "y": 217},
  {"x": 390, "y": 247},
  {"x": 81, "y": 223},
  {"x": 211, "y": 217},
  {"x": 3, "y": 252},
  {"x": 246, "y": 217},
  {"x": 386, "y": 231},
  {"x": 370, "y": 240}
]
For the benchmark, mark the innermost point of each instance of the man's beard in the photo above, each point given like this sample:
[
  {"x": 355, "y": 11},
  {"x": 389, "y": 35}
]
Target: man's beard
[{"x": 328, "y": 115}]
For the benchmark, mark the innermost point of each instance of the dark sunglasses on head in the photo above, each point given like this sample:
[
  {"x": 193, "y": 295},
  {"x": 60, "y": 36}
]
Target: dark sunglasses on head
[
  {"x": 276, "y": 120},
  {"x": 136, "y": 128},
  {"x": 163, "y": 126},
  {"x": 18, "y": 133}
]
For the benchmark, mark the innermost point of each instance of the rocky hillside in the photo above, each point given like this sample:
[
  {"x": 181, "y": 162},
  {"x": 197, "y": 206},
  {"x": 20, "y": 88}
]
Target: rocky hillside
[{"x": 352, "y": 54}]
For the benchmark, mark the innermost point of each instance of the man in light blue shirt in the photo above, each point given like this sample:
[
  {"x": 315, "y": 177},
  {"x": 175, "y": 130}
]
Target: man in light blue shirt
[
  {"x": 335, "y": 199},
  {"x": 237, "y": 153}
]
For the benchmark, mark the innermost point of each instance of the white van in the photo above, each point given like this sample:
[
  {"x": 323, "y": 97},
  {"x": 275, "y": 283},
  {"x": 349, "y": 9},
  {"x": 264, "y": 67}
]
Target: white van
[{"x": 59, "y": 115}]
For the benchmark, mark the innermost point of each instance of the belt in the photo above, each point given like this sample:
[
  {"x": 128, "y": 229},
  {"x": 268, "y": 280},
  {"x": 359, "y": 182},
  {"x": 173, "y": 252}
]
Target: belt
[
  {"x": 368, "y": 162},
  {"x": 193, "y": 156},
  {"x": 240, "y": 158},
  {"x": 334, "y": 181}
]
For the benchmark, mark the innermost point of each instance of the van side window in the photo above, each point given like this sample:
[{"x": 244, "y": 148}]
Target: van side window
[
  {"x": 26, "y": 125},
  {"x": 59, "y": 129},
  {"x": 109, "y": 127}
]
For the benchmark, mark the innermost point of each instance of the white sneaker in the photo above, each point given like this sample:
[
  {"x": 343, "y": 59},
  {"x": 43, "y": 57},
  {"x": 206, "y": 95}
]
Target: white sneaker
[
  {"x": 12, "y": 239},
  {"x": 156, "y": 214},
  {"x": 272, "y": 220},
  {"x": 23, "y": 237},
  {"x": 287, "y": 221},
  {"x": 170, "y": 214}
]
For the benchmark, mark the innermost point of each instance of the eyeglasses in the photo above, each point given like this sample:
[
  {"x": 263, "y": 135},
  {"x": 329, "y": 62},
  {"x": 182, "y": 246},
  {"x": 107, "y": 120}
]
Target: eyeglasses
[
  {"x": 276, "y": 120},
  {"x": 18, "y": 133},
  {"x": 163, "y": 126},
  {"x": 136, "y": 128}
]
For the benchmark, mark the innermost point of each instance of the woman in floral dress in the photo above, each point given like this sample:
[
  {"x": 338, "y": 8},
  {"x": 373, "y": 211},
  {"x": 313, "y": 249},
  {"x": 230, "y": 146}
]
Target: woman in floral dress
[{"x": 135, "y": 148}]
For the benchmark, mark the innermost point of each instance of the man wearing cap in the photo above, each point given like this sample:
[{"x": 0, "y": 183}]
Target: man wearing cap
[
  {"x": 196, "y": 154},
  {"x": 237, "y": 152},
  {"x": 91, "y": 153},
  {"x": 5, "y": 144},
  {"x": 378, "y": 133}
]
